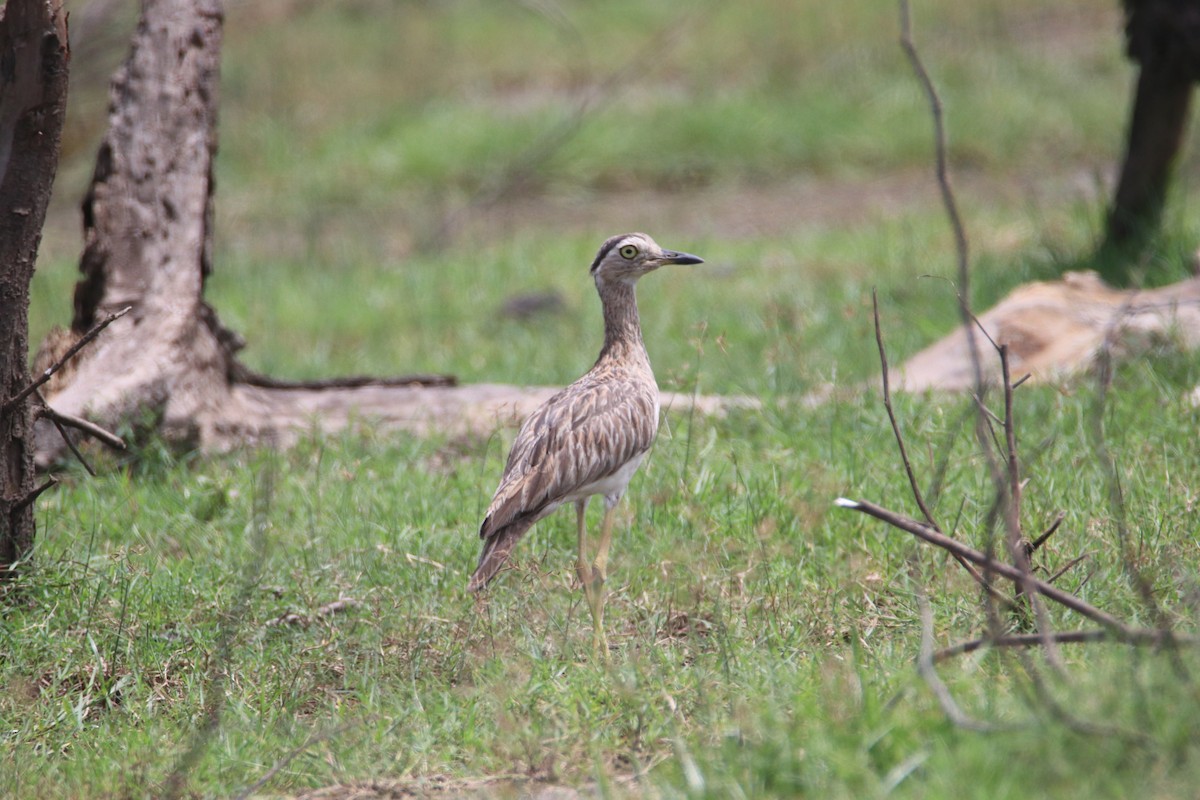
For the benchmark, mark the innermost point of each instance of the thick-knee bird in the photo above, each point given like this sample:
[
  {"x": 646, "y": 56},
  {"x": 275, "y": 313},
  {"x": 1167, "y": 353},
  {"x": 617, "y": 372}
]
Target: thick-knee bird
[{"x": 590, "y": 438}]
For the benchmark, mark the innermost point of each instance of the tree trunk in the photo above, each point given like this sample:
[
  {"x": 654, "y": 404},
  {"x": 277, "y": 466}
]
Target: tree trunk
[
  {"x": 33, "y": 96},
  {"x": 1163, "y": 38},
  {"x": 148, "y": 232},
  {"x": 1156, "y": 128}
]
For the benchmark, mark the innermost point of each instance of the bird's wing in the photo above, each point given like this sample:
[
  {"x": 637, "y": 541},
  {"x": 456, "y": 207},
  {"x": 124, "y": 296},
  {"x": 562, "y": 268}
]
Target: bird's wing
[{"x": 581, "y": 435}]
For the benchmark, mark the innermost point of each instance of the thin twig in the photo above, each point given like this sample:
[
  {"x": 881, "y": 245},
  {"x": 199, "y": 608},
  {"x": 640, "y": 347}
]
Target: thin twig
[
  {"x": 33, "y": 495},
  {"x": 83, "y": 342},
  {"x": 887, "y": 404},
  {"x": 1010, "y": 435},
  {"x": 219, "y": 660},
  {"x": 1138, "y": 636},
  {"x": 1064, "y": 570},
  {"x": 313, "y": 739},
  {"x": 1012, "y": 517},
  {"x": 908, "y": 470},
  {"x": 943, "y": 180},
  {"x": 1041, "y": 540}
]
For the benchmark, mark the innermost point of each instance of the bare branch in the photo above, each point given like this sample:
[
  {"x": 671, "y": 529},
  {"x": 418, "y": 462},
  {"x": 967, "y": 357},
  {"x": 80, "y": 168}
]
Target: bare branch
[
  {"x": 1138, "y": 636},
  {"x": 1010, "y": 435},
  {"x": 83, "y": 342},
  {"x": 924, "y": 532},
  {"x": 887, "y": 404},
  {"x": 66, "y": 437},
  {"x": 1041, "y": 540},
  {"x": 1012, "y": 518},
  {"x": 912, "y": 478},
  {"x": 33, "y": 495},
  {"x": 80, "y": 424},
  {"x": 314, "y": 739},
  {"x": 947, "y": 191},
  {"x": 1066, "y": 568}
]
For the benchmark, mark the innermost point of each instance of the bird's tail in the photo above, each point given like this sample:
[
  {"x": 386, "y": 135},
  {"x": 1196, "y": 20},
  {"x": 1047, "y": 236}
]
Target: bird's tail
[{"x": 495, "y": 553}]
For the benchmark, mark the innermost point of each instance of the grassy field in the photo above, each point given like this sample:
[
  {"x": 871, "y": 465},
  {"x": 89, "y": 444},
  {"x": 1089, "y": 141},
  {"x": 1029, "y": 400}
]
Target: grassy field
[{"x": 174, "y": 633}]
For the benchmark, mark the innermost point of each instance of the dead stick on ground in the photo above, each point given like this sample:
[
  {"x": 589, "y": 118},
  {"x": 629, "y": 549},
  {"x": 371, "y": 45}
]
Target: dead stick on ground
[{"x": 67, "y": 356}]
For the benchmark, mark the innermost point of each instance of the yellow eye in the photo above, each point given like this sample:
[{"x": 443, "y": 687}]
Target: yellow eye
[{"x": 628, "y": 251}]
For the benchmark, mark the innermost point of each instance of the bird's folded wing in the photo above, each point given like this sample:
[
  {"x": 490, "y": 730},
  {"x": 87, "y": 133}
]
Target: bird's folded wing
[{"x": 580, "y": 436}]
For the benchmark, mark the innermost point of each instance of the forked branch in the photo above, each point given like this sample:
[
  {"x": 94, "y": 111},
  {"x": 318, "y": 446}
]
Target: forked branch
[{"x": 989, "y": 564}]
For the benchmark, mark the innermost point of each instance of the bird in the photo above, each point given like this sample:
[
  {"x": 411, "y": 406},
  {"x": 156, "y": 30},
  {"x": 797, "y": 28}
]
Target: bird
[{"x": 589, "y": 438}]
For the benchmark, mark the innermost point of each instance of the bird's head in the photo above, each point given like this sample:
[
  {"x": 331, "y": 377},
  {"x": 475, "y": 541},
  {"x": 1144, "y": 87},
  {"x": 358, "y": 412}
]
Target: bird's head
[{"x": 629, "y": 256}]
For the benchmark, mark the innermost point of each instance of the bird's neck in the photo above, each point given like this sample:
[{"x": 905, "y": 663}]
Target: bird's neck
[{"x": 622, "y": 329}]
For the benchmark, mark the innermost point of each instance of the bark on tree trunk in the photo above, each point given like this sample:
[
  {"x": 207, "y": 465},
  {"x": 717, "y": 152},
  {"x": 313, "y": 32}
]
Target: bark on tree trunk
[
  {"x": 148, "y": 232},
  {"x": 33, "y": 96}
]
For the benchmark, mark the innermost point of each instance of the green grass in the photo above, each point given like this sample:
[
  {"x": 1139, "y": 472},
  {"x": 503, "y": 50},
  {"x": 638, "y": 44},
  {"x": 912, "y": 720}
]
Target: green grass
[
  {"x": 759, "y": 632},
  {"x": 764, "y": 640}
]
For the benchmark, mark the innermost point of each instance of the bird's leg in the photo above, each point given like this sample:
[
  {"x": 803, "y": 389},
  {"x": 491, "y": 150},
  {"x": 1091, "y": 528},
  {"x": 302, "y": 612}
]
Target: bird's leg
[
  {"x": 600, "y": 565},
  {"x": 592, "y": 580},
  {"x": 582, "y": 568},
  {"x": 598, "y": 595}
]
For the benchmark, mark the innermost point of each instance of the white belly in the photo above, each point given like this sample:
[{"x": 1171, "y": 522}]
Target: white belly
[{"x": 611, "y": 487}]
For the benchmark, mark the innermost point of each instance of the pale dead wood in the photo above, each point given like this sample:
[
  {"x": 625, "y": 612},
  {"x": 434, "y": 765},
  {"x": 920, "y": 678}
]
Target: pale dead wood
[{"x": 1055, "y": 330}]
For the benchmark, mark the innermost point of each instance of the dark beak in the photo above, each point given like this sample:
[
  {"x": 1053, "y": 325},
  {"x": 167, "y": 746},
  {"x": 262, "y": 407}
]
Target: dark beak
[{"x": 672, "y": 257}]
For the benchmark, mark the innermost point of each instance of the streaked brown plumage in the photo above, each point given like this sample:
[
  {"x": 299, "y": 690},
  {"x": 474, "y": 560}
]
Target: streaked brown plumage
[{"x": 589, "y": 438}]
